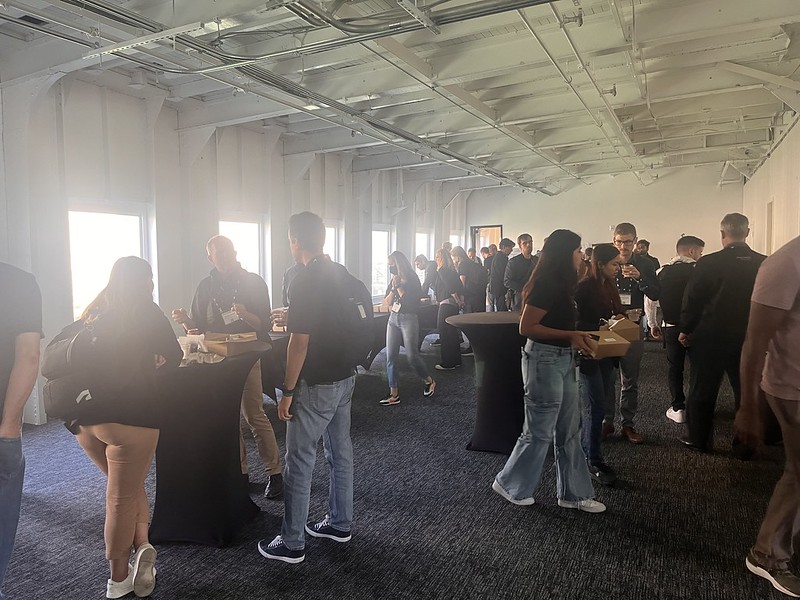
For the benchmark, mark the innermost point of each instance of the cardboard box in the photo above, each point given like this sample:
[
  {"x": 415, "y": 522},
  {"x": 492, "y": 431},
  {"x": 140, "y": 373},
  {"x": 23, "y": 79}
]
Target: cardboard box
[
  {"x": 233, "y": 344},
  {"x": 608, "y": 343},
  {"x": 626, "y": 328}
]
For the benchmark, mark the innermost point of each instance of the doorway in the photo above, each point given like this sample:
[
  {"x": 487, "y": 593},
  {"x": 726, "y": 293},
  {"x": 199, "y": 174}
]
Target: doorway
[{"x": 484, "y": 235}]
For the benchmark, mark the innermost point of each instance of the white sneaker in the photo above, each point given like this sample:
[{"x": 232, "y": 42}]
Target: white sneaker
[
  {"x": 118, "y": 589},
  {"x": 522, "y": 502},
  {"x": 589, "y": 506},
  {"x": 679, "y": 416},
  {"x": 144, "y": 570}
]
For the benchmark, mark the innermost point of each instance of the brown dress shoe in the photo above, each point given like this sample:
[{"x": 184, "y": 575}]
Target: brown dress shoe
[
  {"x": 608, "y": 430},
  {"x": 632, "y": 435}
]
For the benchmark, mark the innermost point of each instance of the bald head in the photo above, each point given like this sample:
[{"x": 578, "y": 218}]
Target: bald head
[{"x": 222, "y": 254}]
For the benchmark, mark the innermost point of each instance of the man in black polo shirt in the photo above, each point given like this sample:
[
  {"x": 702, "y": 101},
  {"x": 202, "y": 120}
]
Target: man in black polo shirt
[
  {"x": 20, "y": 332},
  {"x": 713, "y": 323},
  {"x": 635, "y": 279},
  {"x": 231, "y": 300},
  {"x": 316, "y": 400},
  {"x": 519, "y": 269}
]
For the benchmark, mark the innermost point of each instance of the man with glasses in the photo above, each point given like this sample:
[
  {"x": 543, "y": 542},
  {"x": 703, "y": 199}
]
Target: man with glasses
[{"x": 635, "y": 280}]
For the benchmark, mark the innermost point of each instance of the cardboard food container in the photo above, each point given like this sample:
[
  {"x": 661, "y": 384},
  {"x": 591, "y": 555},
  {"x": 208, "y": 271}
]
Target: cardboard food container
[
  {"x": 608, "y": 343},
  {"x": 233, "y": 344},
  {"x": 626, "y": 328}
]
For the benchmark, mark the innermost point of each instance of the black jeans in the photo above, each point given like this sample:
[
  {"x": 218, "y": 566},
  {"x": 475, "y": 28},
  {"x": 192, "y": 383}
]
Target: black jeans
[
  {"x": 449, "y": 336},
  {"x": 709, "y": 361},
  {"x": 676, "y": 357}
]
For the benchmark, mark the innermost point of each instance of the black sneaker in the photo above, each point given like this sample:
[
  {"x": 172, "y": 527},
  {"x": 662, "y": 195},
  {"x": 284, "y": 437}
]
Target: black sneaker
[
  {"x": 782, "y": 580},
  {"x": 603, "y": 474},
  {"x": 274, "y": 489},
  {"x": 467, "y": 352},
  {"x": 324, "y": 529},
  {"x": 277, "y": 550}
]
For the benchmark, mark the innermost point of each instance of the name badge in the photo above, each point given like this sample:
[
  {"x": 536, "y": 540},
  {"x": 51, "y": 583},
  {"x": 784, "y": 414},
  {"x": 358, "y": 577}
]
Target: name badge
[
  {"x": 396, "y": 307},
  {"x": 229, "y": 316},
  {"x": 625, "y": 298}
]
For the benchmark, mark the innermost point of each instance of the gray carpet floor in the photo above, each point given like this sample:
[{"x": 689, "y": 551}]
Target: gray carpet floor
[{"x": 427, "y": 524}]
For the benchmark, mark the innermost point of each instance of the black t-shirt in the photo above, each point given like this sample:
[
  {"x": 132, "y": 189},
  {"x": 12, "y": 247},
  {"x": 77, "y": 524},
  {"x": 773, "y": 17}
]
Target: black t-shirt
[
  {"x": 548, "y": 294},
  {"x": 310, "y": 313},
  {"x": 412, "y": 294},
  {"x": 447, "y": 283},
  {"x": 216, "y": 294},
  {"x": 22, "y": 313}
]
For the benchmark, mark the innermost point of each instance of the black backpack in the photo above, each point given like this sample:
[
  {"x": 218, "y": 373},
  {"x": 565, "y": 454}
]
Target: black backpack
[
  {"x": 355, "y": 317},
  {"x": 674, "y": 279}
]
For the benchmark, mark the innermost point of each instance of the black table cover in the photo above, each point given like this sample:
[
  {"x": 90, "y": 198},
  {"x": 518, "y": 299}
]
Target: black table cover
[
  {"x": 201, "y": 496},
  {"x": 496, "y": 342}
]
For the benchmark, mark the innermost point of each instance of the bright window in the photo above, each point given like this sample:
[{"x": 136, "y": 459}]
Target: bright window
[
  {"x": 423, "y": 245},
  {"x": 246, "y": 240},
  {"x": 330, "y": 243},
  {"x": 455, "y": 240},
  {"x": 96, "y": 241},
  {"x": 380, "y": 266}
]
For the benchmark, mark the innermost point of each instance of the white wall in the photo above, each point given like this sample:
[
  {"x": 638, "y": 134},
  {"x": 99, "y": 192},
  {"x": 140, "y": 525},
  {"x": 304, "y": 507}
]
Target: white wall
[
  {"x": 687, "y": 201},
  {"x": 778, "y": 182}
]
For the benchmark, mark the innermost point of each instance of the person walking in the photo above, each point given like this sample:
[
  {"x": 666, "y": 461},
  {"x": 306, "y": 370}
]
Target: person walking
[{"x": 402, "y": 329}]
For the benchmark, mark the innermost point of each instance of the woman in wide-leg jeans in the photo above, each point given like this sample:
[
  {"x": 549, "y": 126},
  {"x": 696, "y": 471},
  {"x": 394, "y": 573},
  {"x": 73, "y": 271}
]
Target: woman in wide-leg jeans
[{"x": 550, "y": 377}]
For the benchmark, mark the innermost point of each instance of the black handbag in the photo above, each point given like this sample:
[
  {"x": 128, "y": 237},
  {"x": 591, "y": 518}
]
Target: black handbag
[
  {"x": 67, "y": 352},
  {"x": 69, "y": 397}
]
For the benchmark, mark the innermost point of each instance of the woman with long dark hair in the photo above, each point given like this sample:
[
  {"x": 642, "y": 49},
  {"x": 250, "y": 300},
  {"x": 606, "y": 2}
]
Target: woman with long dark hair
[
  {"x": 403, "y": 298},
  {"x": 133, "y": 338},
  {"x": 552, "y": 399},
  {"x": 450, "y": 294},
  {"x": 598, "y": 300}
]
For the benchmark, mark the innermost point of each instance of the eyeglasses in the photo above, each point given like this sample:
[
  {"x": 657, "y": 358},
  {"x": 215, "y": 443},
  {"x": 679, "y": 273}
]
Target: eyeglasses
[{"x": 626, "y": 243}]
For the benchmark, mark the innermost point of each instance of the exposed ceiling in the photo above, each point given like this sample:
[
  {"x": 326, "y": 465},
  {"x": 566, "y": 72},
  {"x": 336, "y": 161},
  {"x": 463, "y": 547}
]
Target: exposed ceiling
[{"x": 536, "y": 94}]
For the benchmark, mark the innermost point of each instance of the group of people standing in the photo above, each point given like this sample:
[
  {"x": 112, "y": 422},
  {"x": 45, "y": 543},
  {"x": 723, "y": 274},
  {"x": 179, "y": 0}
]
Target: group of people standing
[{"x": 732, "y": 307}]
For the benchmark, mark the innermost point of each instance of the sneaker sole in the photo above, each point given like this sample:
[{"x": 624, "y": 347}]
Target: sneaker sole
[
  {"x": 144, "y": 576},
  {"x": 431, "y": 392},
  {"x": 577, "y": 506},
  {"x": 764, "y": 574},
  {"x": 387, "y": 403},
  {"x": 286, "y": 559},
  {"x": 498, "y": 489},
  {"x": 316, "y": 534}
]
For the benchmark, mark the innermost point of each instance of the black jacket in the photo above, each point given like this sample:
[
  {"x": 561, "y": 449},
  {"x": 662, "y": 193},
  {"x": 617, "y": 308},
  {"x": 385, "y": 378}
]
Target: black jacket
[
  {"x": 716, "y": 304},
  {"x": 430, "y": 277}
]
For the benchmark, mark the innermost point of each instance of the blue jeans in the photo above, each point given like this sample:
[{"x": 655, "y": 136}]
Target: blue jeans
[
  {"x": 552, "y": 416},
  {"x": 403, "y": 329},
  {"x": 597, "y": 384},
  {"x": 319, "y": 411},
  {"x": 12, "y": 472}
]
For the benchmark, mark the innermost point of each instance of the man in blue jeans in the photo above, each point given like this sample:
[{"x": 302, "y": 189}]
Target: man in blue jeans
[
  {"x": 316, "y": 399},
  {"x": 20, "y": 332}
]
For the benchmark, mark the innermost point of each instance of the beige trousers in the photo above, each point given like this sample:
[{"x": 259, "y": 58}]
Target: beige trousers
[
  {"x": 781, "y": 525},
  {"x": 253, "y": 413},
  {"x": 124, "y": 453}
]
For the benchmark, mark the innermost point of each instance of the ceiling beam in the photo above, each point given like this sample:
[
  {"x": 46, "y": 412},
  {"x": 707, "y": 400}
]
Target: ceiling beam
[{"x": 761, "y": 75}]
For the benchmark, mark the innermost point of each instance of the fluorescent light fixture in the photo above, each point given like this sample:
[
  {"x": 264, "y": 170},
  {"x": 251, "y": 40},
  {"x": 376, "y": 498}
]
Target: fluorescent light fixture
[{"x": 144, "y": 40}]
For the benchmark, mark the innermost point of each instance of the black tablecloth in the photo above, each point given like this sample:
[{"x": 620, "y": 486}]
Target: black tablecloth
[
  {"x": 496, "y": 342},
  {"x": 201, "y": 496},
  {"x": 427, "y": 323}
]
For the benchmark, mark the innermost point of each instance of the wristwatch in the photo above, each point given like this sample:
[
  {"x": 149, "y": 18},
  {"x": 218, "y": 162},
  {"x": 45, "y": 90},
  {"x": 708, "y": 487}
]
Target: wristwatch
[{"x": 286, "y": 391}]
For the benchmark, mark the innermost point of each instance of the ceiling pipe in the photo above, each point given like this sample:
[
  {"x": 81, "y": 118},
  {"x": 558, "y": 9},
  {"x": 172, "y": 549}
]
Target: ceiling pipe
[{"x": 283, "y": 84}]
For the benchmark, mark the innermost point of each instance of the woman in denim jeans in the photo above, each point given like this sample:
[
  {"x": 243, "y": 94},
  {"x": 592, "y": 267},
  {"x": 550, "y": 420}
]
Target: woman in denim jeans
[
  {"x": 549, "y": 373},
  {"x": 597, "y": 298},
  {"x": 403, "y": 298}
]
